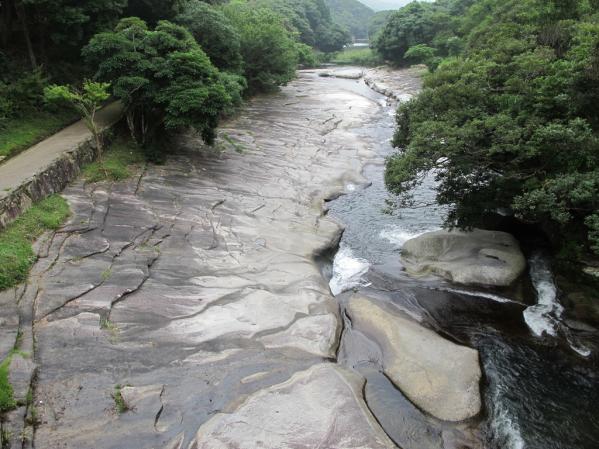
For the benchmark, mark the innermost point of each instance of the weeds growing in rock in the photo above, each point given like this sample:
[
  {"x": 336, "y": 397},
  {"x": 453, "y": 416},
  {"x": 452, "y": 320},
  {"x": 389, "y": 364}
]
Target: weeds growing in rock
[
  {"x": 16, "y": 253},
  {"x": 5, "y": 439},
  {"x": 119, "y": 402},
  {"x": 7, "y": 400},
  {"x": 106, "y": 274},
  {"x": 113, "y": 330},
  {"x": 118, "y": 162}
]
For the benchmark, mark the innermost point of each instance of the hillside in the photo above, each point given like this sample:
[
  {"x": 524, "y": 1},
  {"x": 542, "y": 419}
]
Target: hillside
[{"x": 352, "y": 15}]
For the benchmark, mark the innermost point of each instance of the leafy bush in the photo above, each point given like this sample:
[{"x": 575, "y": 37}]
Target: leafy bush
[
  {"x": 23, "y": 94},
  {"x": 420, "y": 54},
  {"x": 307, "y": 57}
]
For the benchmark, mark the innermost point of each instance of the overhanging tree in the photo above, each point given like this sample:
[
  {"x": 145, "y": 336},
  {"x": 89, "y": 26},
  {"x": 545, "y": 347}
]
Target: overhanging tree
[{"x": 163, "y": 77}]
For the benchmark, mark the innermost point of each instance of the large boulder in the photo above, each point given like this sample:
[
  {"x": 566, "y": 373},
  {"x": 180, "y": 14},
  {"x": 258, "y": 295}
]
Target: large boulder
[
  {"x": 478, "y": 257},
  {"x": 440, "y": 377},
  {"x": 320, "y": 407}
]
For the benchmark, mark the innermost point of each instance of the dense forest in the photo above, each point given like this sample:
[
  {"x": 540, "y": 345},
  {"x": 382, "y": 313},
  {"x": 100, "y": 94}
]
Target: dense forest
[
  {"x": 174, "y": 63},
  {"x": 353, "y": 15},
  {"x": 508, "y": 117}
]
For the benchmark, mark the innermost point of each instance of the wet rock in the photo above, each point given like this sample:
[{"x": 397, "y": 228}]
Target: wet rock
[
  {"x": 440, "y": 377},
  {"x": 479, "y": 257},
  {"x": 392, "y": 84},
  {"x": 314, "y": 334},
  {"x": 320, "y": 407}
]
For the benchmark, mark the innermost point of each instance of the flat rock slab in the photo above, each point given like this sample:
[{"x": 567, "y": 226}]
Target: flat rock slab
[
  {"x": 318, "y": 408},
  {"x": 395, "y": 84},
  {"x": 479, "y": 257},
  {"x": 440, "y": 377}
]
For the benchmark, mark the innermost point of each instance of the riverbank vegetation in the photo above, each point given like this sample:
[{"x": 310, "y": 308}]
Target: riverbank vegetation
[
  {"x": 174, "y": 64},
  {"x": 123, "y": 157},
  {"x": 508, "y": 117},
  {"x": 361, "y": 56},
  {"x": 16, "y": 253}
]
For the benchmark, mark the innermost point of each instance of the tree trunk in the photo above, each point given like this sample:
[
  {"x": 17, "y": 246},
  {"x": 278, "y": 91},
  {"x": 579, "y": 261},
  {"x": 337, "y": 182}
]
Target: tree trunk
[{"x": 20, "y": 10}]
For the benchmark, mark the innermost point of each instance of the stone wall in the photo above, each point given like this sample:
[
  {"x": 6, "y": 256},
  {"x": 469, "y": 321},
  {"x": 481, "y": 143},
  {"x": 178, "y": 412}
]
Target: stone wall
[{"x": 52, "y": 179}]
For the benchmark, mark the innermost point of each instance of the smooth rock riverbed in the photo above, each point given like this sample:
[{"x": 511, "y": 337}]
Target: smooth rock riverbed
[{"x": 192, "y": 291}]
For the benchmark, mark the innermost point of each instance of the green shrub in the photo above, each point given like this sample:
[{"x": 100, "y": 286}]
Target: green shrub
[
  {"x": 16, "y": 253},
  {"x": 23, "y": 94},
  {"x": 7, "y": 401}
]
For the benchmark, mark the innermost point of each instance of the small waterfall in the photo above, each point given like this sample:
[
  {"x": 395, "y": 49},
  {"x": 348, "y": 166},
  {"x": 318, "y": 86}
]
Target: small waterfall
[
  {"x": 545, "y": 317},
  {"x": 348, "y": 271}
]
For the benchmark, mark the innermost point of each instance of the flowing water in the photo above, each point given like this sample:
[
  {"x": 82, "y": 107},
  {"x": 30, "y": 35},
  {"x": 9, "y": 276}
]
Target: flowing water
[{"x": 541, "y": 383}]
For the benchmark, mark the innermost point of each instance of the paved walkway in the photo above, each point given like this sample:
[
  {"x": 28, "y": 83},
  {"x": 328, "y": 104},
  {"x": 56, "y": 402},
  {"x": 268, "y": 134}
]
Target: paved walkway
[{"x": 20, "y": 168}]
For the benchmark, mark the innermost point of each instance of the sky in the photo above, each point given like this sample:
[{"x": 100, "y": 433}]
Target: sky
[{"x": 379, "y": 5}]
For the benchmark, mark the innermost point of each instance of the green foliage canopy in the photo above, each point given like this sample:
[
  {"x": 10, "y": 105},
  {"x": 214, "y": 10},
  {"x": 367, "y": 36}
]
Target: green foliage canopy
[
  {"x": 164, "y": 78},
  {"x": 512, "y": 123},
  {"x": 351, "y": 15},
  {"x": 268, "y": 48},
  {"x": 214, "y": 32}
]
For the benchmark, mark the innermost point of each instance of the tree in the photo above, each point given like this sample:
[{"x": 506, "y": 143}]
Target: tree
[
  {"x": 86, "y": 101},
  {"x": 214, "y": 32},
  {"x": 332, "y": 38},
  {"x": 417, "y": 23},
  {"x": 512, "y": 123},
  {"x": 311, "y": 20},
  {"x": 267, "y": 47},
  {"x": 163, "y": 77},
  {"x": 56, "y": 29}
]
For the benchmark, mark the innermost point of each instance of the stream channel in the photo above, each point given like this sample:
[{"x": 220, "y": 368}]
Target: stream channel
[{"x": 539, "y": 391}]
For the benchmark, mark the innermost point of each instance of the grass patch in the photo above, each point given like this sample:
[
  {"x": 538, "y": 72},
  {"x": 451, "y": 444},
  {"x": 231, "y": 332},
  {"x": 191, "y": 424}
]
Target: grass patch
[
  {"x": 16, "y": 253},
  {"x": 20, "y": 133},
  {"x": 7, "y": 400},
  {"x": 237, "y": 146},
  {"x": 117, "y": 162},
  {"x": 120, "y": 404},
  {"x": 111, "y": 328},
  {"x": 357, "y": 56},
  {"x": 106, "y": 274}
]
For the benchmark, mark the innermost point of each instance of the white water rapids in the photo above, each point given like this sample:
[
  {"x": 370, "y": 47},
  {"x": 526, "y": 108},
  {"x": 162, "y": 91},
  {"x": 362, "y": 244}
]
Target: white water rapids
[{"x": 545, "y": 317}]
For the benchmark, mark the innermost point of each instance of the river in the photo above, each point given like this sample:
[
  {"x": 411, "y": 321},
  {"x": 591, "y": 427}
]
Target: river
[
  {"x": 201, "y": 304},
  {"x": 539, "y": 393}
]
